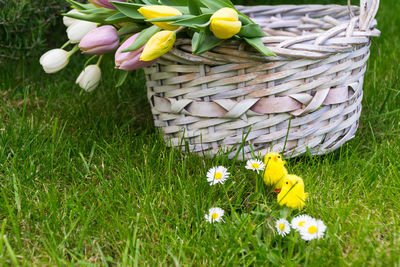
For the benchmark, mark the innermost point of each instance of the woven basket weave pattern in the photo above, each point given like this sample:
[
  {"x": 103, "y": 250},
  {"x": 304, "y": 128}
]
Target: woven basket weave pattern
[{"x": 306, "y": 98}]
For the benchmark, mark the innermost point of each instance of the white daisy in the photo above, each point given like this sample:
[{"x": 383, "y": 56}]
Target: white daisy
[
  {"x": 313, "y": 229},
  {"x": 283, "y": 227},
  {"x": 255, "y": 165},
  {"x": 217, "y": 175},
  {"x": 299, "y": 221},
  {"x": 214, "y": 215}
]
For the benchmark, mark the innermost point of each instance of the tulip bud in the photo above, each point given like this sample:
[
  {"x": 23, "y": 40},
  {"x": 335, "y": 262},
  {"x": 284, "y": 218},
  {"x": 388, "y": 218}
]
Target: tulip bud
[
  {"x": 89, "y": 78},
  {"x": 225, "y": 23},
  {"x": 153, "y": 12},
  {"x": 54, "y": 60},
  {"x": 79, "y": 29},
  {"x": 69, "y": 21},
  {"x": 100, "y": 41},
  {"x": 105, "y": 3},
  {"x": 159, "y": 44},
  {"x": 130, "y": 60}
]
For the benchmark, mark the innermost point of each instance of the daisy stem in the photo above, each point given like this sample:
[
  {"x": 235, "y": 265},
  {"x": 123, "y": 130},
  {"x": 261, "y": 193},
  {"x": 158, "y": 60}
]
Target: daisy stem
[
  {"x": 230, "y": 205},
  {"x": 257, "y": 178},
  {"x": 291, "y": 248}
]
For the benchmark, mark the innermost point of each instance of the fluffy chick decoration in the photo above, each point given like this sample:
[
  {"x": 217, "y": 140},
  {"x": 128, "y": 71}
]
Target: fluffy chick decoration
[
  {"x": 275, "y": 170},
  {"x": 292, "y": 194}
]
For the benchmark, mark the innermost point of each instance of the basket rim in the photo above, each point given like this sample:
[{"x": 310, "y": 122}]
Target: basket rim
[{"x": 329, "y": 35}]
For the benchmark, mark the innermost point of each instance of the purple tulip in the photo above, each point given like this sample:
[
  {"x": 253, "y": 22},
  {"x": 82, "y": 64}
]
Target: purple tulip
[
  {"x": 130, "y": 60},
  {"x": 105, "y": 3},
  {"x": 100, "y": 41}
]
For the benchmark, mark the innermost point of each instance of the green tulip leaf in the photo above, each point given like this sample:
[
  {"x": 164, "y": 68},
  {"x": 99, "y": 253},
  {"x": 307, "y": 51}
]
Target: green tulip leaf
[
  {"x": 150, "y": 2},
  {"x": 174, "y": 2},
  {"x": 202, "y": 26},
  {"x": 118, "y": 18},
  {"x": 79, "y": 6},
  {"x": 131, "y": 28},
  {"x": 251, "y": 31},
  {"x": 142, "y": 38},
  {"x": 217, "y": 4},
  {"x": 203, "y": 42},
  {"x": 245, "y": 19},
  {"x": 171, "y": 18},
  {"x": 122, "y": 77},
  {"x": 99, "y": 11},
  {"x": 195, "y": 43},
  {"x": 129, "y": 9},
  {"x": 259, "y": 45},
  {"x": 194, "y": 7},
  {"x": 191, "y": 22},
  {"x": 98, "y": 18}
]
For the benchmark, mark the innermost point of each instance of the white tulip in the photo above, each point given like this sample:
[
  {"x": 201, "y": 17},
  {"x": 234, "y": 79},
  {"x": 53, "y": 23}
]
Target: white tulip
[
  {"x": 69, "y": 21},
  {"x": 54, "y": 60},
  {"x": 79, "y": 29},
  {"x": 89, "y": 78}
]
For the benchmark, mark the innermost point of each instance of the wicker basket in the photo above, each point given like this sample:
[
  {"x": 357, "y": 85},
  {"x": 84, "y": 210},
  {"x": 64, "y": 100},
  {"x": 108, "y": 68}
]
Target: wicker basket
[{"x": 306, "y": 98}]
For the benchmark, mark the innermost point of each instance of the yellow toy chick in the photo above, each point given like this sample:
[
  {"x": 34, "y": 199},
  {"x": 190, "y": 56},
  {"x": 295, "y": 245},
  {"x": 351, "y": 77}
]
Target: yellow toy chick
[
  {"x": 275, "y": 170},
  {"x": 292, "y": 194}
]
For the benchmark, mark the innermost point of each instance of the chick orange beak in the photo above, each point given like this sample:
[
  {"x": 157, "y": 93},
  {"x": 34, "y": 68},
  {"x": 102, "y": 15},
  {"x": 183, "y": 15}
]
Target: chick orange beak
[{"x": 275, "y": 158}]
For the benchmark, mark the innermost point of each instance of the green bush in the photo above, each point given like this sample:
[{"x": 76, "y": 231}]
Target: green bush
[{"x": 24, "y": 26}]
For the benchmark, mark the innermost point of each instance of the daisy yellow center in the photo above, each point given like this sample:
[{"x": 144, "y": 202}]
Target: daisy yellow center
[
  {"x": 281, "y": 226},
  {"x": 301, "y": 223},
  {"x": 312, "y": 229},
  {"x": 217, "y": 175},
  {"x": 214, "y": 216},
  {"x": 255, "y": 165}
]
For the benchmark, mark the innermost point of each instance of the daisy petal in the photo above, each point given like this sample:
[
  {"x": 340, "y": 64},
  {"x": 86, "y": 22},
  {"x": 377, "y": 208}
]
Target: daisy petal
[
  {"x": 282, "y": 227},
  {"x": 217, "y": 175}
]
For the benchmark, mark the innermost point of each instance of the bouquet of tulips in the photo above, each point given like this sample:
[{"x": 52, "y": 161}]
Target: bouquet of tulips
[{"x": 140, "y": 31}]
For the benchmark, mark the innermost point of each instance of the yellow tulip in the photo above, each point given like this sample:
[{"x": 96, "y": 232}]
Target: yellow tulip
[
  {"x": 153, "y": 12},
  {"x": 159, "y": 44},
  {"x": 225, "y": 23}
]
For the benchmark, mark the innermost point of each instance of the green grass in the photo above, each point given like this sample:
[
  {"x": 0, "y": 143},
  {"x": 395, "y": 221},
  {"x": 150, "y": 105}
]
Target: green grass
[{"x": 86, "y": 179}]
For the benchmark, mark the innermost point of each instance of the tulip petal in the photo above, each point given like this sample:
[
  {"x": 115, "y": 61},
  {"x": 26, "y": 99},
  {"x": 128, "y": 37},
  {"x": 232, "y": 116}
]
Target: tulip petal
[
  {"x": 225, "y": 23},
  {"x": 152, "y": 12},
  {"x": 226, "y": 13},
  {"x": 224, "y": 29},
  {"x": 100, "y": 40},
  {"x": 89, "y": 78},
  {"x": 130, "y": 60},
  {"x": 54, "y": 60},
  {"x": 159, "y": 44},
  {"x": 104, "y": 3}
]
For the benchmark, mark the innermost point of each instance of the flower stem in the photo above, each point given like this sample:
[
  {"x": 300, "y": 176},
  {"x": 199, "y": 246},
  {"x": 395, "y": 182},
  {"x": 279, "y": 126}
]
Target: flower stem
[
  {"x": 257, "y": 178},
  {"x": 73, "y": 50},
  {"x": 66, "y": 44},
  {"x": 99, "y": 60},
  {"x": 179, "y": 29},
  {"x": 230, "y": 205}
]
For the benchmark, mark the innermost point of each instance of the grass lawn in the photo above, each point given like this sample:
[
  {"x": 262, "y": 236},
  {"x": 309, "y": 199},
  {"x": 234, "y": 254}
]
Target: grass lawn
[{"x": 86, "y": 179}]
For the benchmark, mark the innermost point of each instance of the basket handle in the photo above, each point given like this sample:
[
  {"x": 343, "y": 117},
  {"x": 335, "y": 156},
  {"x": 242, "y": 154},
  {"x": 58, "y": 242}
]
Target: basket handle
[{"x": 368, "y": 10}]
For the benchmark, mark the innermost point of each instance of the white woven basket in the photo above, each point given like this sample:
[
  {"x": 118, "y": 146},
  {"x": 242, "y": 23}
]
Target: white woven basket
[{"x": 306, "y": 98}]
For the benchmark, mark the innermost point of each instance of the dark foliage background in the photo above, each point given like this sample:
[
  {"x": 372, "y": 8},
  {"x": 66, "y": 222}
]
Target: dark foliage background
[{"x": 27, "y": 27}]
